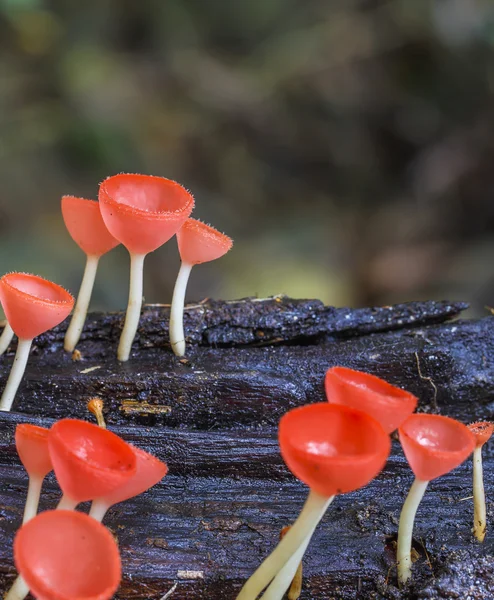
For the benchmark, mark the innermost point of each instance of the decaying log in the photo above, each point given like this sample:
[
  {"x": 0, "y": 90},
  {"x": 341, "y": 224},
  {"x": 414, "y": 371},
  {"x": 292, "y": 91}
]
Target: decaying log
[{"x": 213, "y": 418}]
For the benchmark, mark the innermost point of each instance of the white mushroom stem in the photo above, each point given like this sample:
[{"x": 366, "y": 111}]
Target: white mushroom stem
[
  {"x": 312, "y": 512},
  {"x": 284, "y": 578},
  {"x": 133, "y": 308},
  {"x": 18, "y": 591},
  {"x": 479, "y": 514},
  {"x": 66, "y": 503},
  {"x": 98, "y": 510},
  {"x": 405, "y": 529},
  {"x": 16, "y": 373},
  {"x": 79, "y": 317},
  {"x": 177, "y": 336},
  {"x": 32, "y": 500},
  {"x": 6, "y": 338}
]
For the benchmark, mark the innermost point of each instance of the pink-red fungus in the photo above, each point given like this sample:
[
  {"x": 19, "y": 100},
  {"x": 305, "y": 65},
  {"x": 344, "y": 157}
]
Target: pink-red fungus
[
  {"x": 197, "y": 243},
  {"x": 142, "y": 212},
  {"x": 32, "y": 306},
  {"x": 149, "y": 471},
  {"x": 89, "y": 462},
  {"x": 85, "y": 224},
  {"x": 66, "y": 555},
  {"x": 433, "y": 446},
  {"x": 387, "y": 403},
  {"x": 31, "y": 443},
  {"x": 334, "y": 449},
  {"x": 482, "y": 432}
]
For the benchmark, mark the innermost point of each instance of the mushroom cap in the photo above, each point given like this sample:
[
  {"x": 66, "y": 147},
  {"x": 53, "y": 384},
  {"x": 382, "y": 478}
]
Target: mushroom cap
[
  {"x": 142, "y": 211},
  {"x": 435, "y": 445},
  {"x": 85, "y": 224},
  {"x": 387, "y": 403},
  {"x": 482, "y": 431},
  {"x": 32, "y": 304},
  {"x": 67, "y": 555},
  {"x": 332, "y": 448},
  {"x": 199, "y": 243},
  {"x": 31, "y": 443},
  {"x": 149, "y": 471},
  {"x": 89, "y": 462}
]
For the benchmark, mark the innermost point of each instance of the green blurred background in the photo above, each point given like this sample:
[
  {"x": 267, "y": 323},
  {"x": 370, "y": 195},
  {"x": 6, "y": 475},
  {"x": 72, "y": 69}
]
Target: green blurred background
[{"x": 347, "y": 146}]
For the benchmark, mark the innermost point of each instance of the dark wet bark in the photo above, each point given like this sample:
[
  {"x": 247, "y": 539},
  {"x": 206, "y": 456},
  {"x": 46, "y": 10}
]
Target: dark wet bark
[{"x": 213, "y": 419}]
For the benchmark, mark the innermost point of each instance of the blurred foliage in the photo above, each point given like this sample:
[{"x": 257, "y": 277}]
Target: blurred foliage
[{"x": 347, "y": 146}]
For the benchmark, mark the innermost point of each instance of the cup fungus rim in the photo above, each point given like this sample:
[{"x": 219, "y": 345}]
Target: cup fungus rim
[
  {"x": 67, "y": 299},
  {"x": 482, "y": 430}
]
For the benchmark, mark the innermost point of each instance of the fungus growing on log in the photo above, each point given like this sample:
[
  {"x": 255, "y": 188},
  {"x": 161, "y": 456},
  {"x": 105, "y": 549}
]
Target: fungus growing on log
[
  {"x": 334, "y": 449},
  {"x": 433, "y": 446},
  {"x": 32, "y": 306},
  {"x": 66, "y": 555},
  {"x": 142, "y": 212},
  {"x": 482, "y": 432},
  {"x": 86, "y": 227},
  {"x": 31, "y": 443},
  {"x": 89, "y": 462},
  {"x": 197, "y": 243},
  {"x": 387, "y": 403}
]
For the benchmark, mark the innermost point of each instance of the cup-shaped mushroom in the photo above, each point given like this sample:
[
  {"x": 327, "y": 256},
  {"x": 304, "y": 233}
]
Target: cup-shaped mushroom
[
  {"x": 387, "y": 403},
  {"x": 332, "y": 448},
  {"x": 31, "y": 443},
  {"x": 435, "y": 445},
  {"x": 84, "y": 222},
  {"x": 89, "y": 462},
  {"x": 149, "y": 471},
  {"x": 142, "y": 211},
  {"x": 66, "y": 555},
  {"x": 32, "y": 304},
  {"x": 199, "y": 243},
  {"x": 482, "y": 431}
]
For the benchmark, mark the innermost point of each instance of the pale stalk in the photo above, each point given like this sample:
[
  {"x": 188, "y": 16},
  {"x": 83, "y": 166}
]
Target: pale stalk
[
  {"x": 98, "y": 510},
  {"x": 133, "y": 313},
  {"x": 479, "y": 513},
  {"x": 405, "y": 529},
  {"x": 32, "y": 500},
  {"x": 284, "y": 578},
  {"x": 6, "y": 338},
  {"x": 18, "y": 591},
  {"x": 79, "y": 317},
  {"x": 177, "y": 335},
  {"x": 66, "y": 503},
  {"x": 16, "y": 373},
  {"x": 312, "y": 512}
]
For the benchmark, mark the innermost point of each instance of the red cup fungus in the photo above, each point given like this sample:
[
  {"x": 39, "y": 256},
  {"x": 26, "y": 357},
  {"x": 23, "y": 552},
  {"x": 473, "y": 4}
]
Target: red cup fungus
[
  {"x": 86, "y": 226},
  {"x": 433, "y": 446},
  {"x": 334, "y": 449},
  {"x": 31, "y": 443},
  {"x": 32, "y": 306},
  {"x": 89, "y": 462},
  {"x": 482, "y": 432},
  {"x": 197, "y": 243},
  {"x": 67, "y": 555},
  {"x": 142, "y": 212},
  {"x": 149, "y": 471},
  {"x": 387, "y": 403}
]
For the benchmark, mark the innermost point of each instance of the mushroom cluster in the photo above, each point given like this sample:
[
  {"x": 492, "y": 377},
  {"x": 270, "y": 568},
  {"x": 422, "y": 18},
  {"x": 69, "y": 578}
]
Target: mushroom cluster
[{"x": 63, "y": 553}]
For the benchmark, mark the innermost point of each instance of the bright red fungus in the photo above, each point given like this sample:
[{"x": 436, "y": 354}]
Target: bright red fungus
[
  {"x": 143, "y": 212},
  {"x": 89, "y": 462},
  {"x": 149, "y": 471},
  {"x": 482, "y": 432},
  {"x": 435, "y": 445},
  {"x": 67, "y": 555},
  {"x": 387, "y": 403},
  {"x": 32, "y": 306},
  {"x": 197, "y": 243}
]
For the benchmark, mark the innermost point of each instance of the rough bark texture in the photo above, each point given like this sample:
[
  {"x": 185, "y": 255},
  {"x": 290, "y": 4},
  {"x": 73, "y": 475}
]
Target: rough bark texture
[{"x": 213, "y": 418}]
